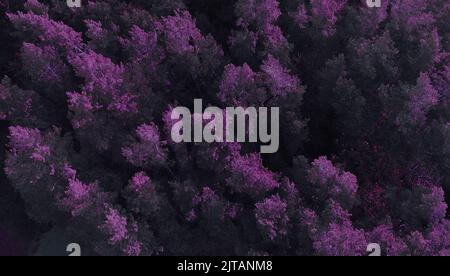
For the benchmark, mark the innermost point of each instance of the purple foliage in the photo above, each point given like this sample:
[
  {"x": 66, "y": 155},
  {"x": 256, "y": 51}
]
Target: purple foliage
[
  {"x": 272, "y": 218},
  {"x": 86, "y": 96}
]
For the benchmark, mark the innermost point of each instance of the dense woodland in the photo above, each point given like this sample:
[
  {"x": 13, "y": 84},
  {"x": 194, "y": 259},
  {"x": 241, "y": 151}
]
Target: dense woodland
[{"x": 86, "y": 155}]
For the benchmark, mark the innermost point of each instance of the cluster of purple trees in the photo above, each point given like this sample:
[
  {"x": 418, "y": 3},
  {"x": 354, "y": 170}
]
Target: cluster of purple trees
[{"x": 85, "y": 101}]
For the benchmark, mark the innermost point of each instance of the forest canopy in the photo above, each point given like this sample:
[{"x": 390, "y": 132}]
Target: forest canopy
[{"x": 86, "y": 155}]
